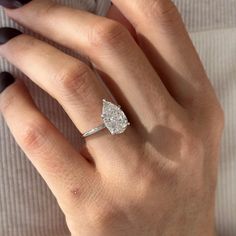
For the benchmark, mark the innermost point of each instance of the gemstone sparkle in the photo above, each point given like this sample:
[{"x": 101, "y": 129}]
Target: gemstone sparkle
[{"x": 114, "y": 118}]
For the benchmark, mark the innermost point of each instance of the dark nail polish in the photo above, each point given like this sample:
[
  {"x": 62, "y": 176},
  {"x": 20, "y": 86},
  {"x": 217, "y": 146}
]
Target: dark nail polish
[
  {"x": 7, "y": 33},
  {"x": 13, "y": 3},
  {"x": 6, "y": 79}
]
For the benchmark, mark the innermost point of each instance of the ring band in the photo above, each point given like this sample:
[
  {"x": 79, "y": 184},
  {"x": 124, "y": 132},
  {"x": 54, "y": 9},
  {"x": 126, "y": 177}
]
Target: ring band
[
  {"x": 114, "y": 119},
  {"x": 94, "y": 130}
]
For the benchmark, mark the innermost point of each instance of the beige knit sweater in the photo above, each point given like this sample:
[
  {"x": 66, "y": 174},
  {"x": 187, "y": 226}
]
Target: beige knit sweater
[{"x": 27, "y": 207}]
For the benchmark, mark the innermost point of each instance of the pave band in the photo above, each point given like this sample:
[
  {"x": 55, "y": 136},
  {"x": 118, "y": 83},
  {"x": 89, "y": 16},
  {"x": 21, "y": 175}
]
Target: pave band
[{"x": 114, "y": 119}]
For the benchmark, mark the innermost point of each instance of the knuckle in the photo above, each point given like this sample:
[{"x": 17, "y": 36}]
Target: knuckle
[
  {"x": 108, "y": 34},
  {"x": 103, "y": 214},
  {"x": 150, "y": 176},
  {"x": 74, "y": 80},
  {"x": 165, "y": 11},
  {"x": 34, "y": 135}
]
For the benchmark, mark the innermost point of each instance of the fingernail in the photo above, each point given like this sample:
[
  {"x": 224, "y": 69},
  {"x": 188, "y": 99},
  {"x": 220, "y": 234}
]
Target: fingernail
[
  {"x": 13, "y": 3},
  {"x": 7, "y": 33},
  {"x": 6, "y": 79}
]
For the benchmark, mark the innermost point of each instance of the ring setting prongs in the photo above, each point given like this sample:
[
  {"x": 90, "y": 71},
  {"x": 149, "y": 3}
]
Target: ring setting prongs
[{"x": 114, "y": 118}]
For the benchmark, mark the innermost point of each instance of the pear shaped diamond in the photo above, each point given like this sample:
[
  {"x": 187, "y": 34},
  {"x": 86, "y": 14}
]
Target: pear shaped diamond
[{"x": 114, "y": 118}]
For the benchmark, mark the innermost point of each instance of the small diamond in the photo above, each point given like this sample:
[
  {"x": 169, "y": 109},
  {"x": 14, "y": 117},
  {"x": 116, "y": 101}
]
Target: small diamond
[{"x": 114, "y": 118}]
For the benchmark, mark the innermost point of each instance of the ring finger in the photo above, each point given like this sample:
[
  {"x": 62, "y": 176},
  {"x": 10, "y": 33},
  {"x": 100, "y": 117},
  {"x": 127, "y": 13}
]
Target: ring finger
[{"x": 72, "y": 83}]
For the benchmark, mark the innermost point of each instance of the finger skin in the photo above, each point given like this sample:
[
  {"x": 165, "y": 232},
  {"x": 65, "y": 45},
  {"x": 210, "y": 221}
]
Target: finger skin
[
  {"x": 115, "y": 14},
  {"x": 162, "y": 35},
  {"x": 75, "y": 86},
  {"x": 53, "y": 156},
  {"x": 111, "y": 48},
  {"x": 70, "y": 81}
]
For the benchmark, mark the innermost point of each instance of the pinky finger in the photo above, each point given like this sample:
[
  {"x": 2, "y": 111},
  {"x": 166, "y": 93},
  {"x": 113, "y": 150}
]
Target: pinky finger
[{"x": 62, "y": 167}]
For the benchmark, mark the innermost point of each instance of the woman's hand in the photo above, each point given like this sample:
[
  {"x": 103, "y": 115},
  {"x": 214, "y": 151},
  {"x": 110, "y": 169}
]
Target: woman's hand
[{"x": 159, "y": 176}]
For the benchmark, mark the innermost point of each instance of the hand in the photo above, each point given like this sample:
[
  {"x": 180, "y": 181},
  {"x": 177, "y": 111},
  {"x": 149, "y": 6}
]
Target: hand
[{"x": 159, "y": 176}]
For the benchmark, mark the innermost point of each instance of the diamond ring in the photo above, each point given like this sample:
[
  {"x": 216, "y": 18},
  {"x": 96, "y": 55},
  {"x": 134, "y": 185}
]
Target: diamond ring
[{"x": 114, "y": 119}]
